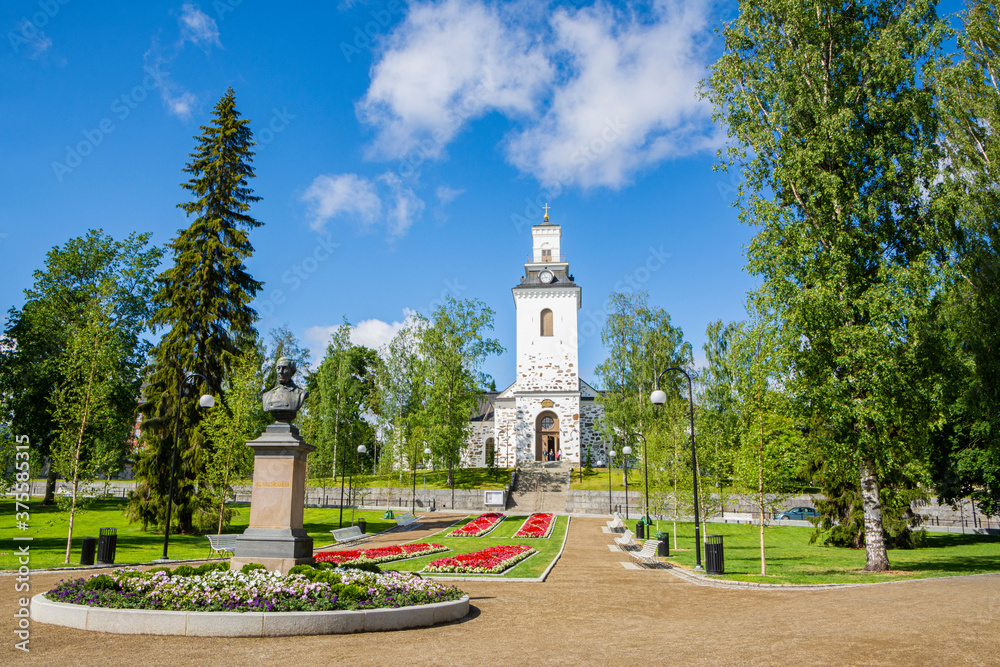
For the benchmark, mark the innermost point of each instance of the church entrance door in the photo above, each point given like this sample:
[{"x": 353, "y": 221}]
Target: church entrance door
[{"x": 546, "y": 437}]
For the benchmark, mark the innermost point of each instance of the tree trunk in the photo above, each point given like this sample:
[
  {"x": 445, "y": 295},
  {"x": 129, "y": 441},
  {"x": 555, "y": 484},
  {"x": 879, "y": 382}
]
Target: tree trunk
[
  {"x": 50, "y": 484},
  {"x": 876, "y": 558}
]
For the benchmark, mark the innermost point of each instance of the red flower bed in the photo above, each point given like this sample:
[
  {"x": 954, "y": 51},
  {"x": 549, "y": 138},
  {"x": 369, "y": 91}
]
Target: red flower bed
[
  {"x": 492, "y": 560},
  {"x": 536, "y": 525},
  {"x": 479, "y": 526},
  {"x": 379, "y": 554}
]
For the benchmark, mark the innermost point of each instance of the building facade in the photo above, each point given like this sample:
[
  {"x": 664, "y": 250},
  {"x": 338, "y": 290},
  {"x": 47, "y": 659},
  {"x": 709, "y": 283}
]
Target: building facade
[{"x": 548, "y": 412}]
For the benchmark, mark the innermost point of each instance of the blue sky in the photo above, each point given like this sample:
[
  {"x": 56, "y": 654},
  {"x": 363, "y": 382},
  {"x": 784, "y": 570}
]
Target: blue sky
[{"x": 404, "y": 150}]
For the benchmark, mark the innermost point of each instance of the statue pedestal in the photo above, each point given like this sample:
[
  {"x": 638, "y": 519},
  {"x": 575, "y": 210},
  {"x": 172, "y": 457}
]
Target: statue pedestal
[{"x": 275, "y": 537}]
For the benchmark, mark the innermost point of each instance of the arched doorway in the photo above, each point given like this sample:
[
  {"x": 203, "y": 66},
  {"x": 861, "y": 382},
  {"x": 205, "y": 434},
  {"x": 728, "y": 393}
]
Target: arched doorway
[{"x": 546, "y": 437}]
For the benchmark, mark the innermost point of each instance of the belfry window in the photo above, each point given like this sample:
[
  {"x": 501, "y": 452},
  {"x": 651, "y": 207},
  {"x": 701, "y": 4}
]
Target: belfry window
[
  {"x": 546, "y": 254},
  {"x": 546, "y": 328}
]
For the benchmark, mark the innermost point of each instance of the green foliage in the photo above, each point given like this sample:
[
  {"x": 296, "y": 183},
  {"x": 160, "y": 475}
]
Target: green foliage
[
  {"x": 835, "y": 131},
  {"x": 250, "y": 567},
  {"x": 101, "y": 582},
  {"x": 34, "y": 362},
  {"x": 205, "y": 568},
  {"x": 366, "y": 567},
  {"x": 452, "y": 348},
  {"x": 967, "y": 449},
  {"x": 183, "y": 571},
  {"x": 340, "y": 391},
  {"x": 204, "y": 309}
]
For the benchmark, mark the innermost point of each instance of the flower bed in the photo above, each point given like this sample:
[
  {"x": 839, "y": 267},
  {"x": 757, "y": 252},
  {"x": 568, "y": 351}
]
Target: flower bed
[
  {"x": 537, "y": 525},
  {"x": 380, "y": 554},
  {"x": 492, "y": 560},
  {"x": 479, "y": 526},
  {"x": 255, "y": 590}
]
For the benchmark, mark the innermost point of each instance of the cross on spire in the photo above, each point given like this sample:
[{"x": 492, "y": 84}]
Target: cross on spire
[{"x": 546, "y": 207}]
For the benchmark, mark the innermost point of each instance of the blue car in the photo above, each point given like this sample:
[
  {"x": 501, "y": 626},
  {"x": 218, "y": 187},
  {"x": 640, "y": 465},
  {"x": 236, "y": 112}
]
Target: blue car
[{"x": 799, "y": 514}]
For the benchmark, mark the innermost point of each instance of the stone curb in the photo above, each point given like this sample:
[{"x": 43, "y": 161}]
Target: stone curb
[{"x": 243, "y": 624}]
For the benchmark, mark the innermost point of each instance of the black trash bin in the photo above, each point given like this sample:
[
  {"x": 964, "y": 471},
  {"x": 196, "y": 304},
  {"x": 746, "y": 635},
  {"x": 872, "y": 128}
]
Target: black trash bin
[
  {"x": 714, "y": 562},
  {"x": 664, "y": 548},
  {"x": 362, "y": 524},
  {"x": 87, "y": 551},
  {"x": 640, "y": 530},
  {"x": 106, "y": 545}
]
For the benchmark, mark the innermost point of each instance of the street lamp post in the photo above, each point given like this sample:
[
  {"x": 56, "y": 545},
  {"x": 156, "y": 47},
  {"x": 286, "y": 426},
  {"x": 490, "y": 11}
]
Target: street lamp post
[
  {"x": 645, "y": 473},
  {"x": 206, "y": 401},
  {"x": 361, "y": 451},
  {"x": 611, "y": 456},
  {"x": 342, "y": 457},
  {"x": 659, "y": 397},
  {"x": 626, "y": 450}
]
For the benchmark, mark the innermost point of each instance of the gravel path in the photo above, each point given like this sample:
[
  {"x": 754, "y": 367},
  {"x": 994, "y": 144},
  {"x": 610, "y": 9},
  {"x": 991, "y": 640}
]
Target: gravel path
[{"x": 591, "y": 610}]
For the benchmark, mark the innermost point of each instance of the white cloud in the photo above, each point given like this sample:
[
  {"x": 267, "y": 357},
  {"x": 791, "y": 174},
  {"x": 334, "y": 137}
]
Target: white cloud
[
  {"x": 331, "y": 196},
  {"x": 447, "y": 195},
  {"x": 445, "y": 64},
  {"x": 197, "y": 27},
  {"x": 406, "y": 205},
  {"x": 353, "y": 196},
  {"x": 30, "y": 35},
  {"x": 372, "y": 333},
  {"x": 599, "y": 94}
]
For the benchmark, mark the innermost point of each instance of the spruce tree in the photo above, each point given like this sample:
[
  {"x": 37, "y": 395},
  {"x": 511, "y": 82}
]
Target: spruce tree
[{"x": 204, "y": 311}]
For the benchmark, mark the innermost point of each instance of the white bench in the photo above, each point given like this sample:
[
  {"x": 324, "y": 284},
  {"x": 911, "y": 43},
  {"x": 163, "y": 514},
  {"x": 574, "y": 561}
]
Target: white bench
[
  {"x": 627, "y": 541},
  {"x": 347, "y": 534},
  {"x": 647, "y": 555},
  {"x": 616, "y": 525},
  {"x": 222, "y": 544},
  {"x": 405, "y": 519}
]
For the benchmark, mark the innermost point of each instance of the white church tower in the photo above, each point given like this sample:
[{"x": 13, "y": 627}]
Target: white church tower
[{"x": 548, "y": 412}]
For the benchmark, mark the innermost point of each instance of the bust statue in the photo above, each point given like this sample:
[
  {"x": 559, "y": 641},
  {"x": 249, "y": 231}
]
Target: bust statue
[{"x": 286, "y": 398}]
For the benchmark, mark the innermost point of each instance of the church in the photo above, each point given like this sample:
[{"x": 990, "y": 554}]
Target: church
[{"x": 549, "y": 412}]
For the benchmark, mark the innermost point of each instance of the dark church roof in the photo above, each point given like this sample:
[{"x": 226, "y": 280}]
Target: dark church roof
[{"x": 483, "y": 410}]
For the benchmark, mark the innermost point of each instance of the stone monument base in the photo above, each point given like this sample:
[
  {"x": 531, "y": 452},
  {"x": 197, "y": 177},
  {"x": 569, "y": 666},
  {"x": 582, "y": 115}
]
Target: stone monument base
[{"x": 282, "y": 565}]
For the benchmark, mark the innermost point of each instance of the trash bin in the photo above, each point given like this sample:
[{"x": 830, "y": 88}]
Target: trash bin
[
  {"x": 664, "y": 548},
  {"x": 87, "y": 551},
  {"x": 388, "y": 515},
  {"x": 714, "y": 562},
  {"x": 362, "y": 524},
  {"x": 106, "y": 545},
  {"x": 640, "y": 530}
]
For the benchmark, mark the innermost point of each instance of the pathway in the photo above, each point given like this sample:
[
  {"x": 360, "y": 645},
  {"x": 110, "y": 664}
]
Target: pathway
[{"x": 593, "y": 611}]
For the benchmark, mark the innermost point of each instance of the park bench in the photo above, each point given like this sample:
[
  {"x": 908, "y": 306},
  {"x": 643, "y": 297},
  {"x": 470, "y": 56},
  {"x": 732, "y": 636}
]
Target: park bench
[
  {"x": 647, "y": 555},
  {"x": 222, "y": 544},
  {"x": 627, "y": 541},
  {"x": 617, "y": 525},
  {"x": 405, "y": 519},
  {"x": 347, "y": 534}
]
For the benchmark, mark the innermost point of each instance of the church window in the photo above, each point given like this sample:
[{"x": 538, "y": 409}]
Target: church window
[
  {"x": 546, "y": 322},
  {"x": 547, "y": 423},
  {"x": 546, "y": 254}
]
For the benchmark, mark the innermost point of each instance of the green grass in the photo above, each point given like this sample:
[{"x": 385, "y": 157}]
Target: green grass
[
  {"x": 598, "y": 480},
  {"x": 48, "y": 526},
  {"x": 465, "y": 478},
  {"x": 531, "y": 567},
  {"x": 792, "y": 560}
]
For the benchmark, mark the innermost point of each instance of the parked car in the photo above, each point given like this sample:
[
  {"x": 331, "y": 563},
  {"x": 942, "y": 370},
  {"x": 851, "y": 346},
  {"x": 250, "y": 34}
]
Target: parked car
[{"x": 798, "y": 514}]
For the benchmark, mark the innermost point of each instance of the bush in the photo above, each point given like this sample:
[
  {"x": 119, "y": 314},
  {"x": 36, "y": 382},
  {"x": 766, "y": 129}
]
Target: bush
[
  {"x": 250, "y": 567},
  {"x": 211, "y": 567},
  {"x": 161, "y": 568},
  {"x": 183, "y": 571},
  {"x": 304, "y": 569},
  {"x": 101, "y": 582}
]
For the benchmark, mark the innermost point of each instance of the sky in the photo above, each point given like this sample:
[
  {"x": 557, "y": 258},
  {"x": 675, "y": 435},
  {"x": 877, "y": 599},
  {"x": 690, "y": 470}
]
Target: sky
[{"x": 404, "y": 150}]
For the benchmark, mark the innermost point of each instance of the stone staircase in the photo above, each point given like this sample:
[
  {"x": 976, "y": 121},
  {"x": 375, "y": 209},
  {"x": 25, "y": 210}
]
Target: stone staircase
[{"x": 540, "y": 487}]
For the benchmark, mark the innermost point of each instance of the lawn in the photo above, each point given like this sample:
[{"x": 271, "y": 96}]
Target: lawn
[
  {"x": 465, "y": 478},
  {"x": 533, "y": 566},
  {"x": 48, "y": 526},
  {"x": 598, "y": 480},
  {"x": 792, "y": 560}
]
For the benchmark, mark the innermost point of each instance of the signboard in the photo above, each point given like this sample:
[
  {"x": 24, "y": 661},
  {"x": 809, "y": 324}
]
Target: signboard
[{"x": 494, "y": 498}]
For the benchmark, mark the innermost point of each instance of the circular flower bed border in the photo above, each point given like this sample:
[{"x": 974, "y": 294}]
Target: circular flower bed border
[{"x": 243, "y": 624}]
